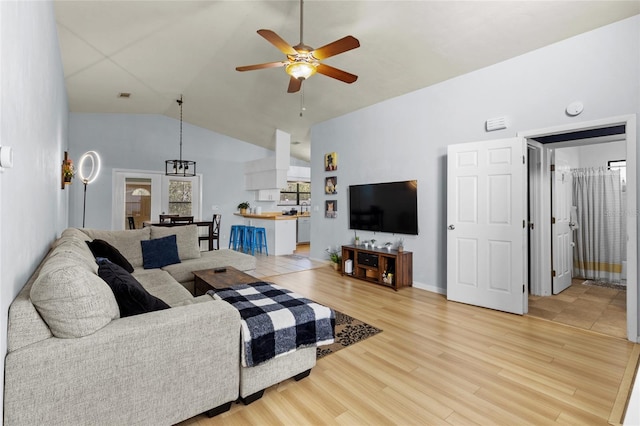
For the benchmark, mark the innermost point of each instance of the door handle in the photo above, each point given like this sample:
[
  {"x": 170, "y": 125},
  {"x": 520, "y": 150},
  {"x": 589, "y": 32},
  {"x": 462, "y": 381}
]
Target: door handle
[{"x": 451, "y": 227}]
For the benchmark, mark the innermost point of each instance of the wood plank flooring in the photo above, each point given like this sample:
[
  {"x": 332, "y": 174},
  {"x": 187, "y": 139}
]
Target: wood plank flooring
[
  {"x": 590, "y": 307},
  {"x": 443, "y": 363}
]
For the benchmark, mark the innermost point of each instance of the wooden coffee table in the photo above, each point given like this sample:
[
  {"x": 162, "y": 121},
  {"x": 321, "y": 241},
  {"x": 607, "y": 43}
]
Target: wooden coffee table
[{"x": 207, "y": 279}]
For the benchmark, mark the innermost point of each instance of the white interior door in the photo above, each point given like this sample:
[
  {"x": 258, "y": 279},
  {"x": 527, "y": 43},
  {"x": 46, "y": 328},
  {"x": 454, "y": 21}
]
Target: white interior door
[
  {"x": 561, "y": 219},
  {"x": 486, "y": 236}
]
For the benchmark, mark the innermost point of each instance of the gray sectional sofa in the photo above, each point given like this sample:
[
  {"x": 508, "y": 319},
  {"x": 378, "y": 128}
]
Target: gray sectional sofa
[{"x": 72, "y": 360}]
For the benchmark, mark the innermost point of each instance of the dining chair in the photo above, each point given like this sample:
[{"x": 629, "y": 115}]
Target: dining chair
[
  {"x": 216, "y": 229},
  {"x": 181, "y": 219},
  {"x": 166, "y": 217}
]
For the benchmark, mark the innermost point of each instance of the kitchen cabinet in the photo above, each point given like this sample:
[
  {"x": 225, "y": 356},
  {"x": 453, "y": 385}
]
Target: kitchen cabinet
[
  {"x": 281, "y": 231},
  {"x": 304, "y": 229},
  {"x": 268, "y": 195}
]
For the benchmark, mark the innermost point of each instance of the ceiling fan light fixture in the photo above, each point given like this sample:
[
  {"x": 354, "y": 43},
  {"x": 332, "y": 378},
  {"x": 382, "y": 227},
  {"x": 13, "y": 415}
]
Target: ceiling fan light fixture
[{"x": 301, "y": 70}]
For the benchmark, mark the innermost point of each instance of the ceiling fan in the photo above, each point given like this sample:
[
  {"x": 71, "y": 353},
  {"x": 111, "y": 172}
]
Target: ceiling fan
[{"x": 303, "y": 61}]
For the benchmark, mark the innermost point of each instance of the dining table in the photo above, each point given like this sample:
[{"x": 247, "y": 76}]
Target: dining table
[{"x": 208, "y": 236}]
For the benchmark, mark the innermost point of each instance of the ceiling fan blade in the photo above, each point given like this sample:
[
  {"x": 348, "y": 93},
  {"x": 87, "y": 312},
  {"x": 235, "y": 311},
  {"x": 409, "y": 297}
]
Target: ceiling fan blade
[
  {"x": 261, "y": 66},
  {"x": 278, "y": 42},
  {"x": 336, "y": 73},
  {"x": 294, "y": 85},
  {"x": 338, "y": 46}
]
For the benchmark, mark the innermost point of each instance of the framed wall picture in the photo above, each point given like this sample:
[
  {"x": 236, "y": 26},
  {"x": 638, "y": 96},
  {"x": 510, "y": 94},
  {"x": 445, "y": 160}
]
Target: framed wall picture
[
  {"x": 331, "y": 161},
  {"x": 331, "y": 209},
  {"x": 331, "y": 185}
]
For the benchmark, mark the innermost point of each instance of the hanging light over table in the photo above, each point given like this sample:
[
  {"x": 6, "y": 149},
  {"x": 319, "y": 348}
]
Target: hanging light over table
[{"x": 180, "y": 167}]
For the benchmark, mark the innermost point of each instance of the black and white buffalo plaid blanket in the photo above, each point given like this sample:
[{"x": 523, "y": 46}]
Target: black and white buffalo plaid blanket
[{"x": 276, "y": 321}]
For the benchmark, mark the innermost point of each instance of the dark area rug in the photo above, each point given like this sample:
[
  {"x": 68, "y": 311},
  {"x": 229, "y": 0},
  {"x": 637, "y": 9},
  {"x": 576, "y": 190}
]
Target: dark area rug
[
  {"x": 349, "y": 330},
  {"x": 605, "y": 284}
]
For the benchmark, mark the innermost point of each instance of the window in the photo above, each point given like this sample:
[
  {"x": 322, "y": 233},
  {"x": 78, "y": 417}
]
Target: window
[
  {"x": 295, "y": 194},
  {"x": 180, "y": 196},
  {"x": 168, "y": 195},
  {"x": 619, "y": 165}
]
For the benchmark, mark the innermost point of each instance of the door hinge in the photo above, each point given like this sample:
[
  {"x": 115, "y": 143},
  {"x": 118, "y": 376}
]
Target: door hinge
[
  {"x": 553, "y": 274},
  {"x": 553, "y": 220},
  {"x": 523, "y": 288},
  {"x": 523, "y": 160},
  {"x": 524, "y": 224},
  {"x": 552, "y": 167}
]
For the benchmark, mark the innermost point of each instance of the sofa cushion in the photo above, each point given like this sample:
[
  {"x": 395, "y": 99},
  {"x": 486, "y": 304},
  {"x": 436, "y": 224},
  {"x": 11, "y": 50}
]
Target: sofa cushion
[
  {"x": 131, "y": 297},
  {"x": 101, "y": 248},
  {"x": 75, "y": 233},
  {"x": 186, "y": 238},
  {"x": 127, "y": 242},
  {"x": 209, "y": 260},
  {"x": 162, "y": 285},
  {"x": 160, "y": 252},
  {"x": 73, "y": 301}
]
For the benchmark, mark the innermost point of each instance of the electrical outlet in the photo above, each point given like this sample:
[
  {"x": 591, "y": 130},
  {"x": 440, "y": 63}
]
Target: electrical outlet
[
  {"x": 316, "y": 208},
  {"x": 214, "y": 207}
]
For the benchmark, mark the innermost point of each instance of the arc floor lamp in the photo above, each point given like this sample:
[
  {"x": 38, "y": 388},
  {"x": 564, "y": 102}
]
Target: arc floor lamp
[{"x": 88, "y": 174}]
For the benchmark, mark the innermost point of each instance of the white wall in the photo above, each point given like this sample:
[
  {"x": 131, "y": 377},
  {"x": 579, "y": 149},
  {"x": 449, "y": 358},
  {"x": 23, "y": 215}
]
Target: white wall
[
  {"x": 144, "y": 142},
  {"x": 598, "y": 155},
  {"x": 407, "y": 137},
  {"x": 33, "y": 120}
]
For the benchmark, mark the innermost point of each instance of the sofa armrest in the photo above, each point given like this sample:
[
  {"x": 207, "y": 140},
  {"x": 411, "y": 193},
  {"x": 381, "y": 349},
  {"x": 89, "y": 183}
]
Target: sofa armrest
[{"x": 158, "y": 368}]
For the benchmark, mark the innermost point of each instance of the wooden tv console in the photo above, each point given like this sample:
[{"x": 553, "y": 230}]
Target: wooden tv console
[{"x": 370, "y": 264}]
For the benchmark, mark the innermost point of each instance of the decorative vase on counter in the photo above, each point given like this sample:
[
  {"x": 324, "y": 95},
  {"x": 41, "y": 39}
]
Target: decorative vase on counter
[{"x": 243, "y": 211}]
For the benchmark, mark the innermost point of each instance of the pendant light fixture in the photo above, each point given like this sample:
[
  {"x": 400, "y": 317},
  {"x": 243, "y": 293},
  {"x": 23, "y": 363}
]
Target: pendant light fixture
[{"x": 180, "y": 167}]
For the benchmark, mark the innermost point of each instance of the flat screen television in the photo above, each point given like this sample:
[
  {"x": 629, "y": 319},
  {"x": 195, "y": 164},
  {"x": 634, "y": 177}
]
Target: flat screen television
[{"x": 384, "y": 207}]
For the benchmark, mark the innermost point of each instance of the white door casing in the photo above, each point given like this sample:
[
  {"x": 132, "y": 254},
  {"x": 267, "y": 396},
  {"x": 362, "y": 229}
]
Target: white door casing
[
  {"x": 159, "y": 194},
  {"x": 561, "y": 218},
  {"x": 486, "y": 236},
  {"x": 629, "y": 121}
]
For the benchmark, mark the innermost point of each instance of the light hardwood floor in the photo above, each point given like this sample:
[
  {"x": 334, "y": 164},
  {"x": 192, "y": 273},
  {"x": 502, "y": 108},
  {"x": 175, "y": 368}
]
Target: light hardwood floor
[
  {"x": 590, "y": 307},
  {"x": 439, "y": 362}
]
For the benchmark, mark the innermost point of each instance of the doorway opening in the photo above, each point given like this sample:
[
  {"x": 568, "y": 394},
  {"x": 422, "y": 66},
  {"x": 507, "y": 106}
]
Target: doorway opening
[{"x": 554, "y": 154}]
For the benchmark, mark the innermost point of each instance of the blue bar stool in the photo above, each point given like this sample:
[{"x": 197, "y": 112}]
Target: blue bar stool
[
  {"x": 237, "y": 236},
  {"x": 261, "y": 240},
  {"x": 249, "y": 240}
]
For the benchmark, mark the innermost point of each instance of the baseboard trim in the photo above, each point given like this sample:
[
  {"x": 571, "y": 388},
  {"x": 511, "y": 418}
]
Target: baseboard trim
[{"x": 431, "y": 288}]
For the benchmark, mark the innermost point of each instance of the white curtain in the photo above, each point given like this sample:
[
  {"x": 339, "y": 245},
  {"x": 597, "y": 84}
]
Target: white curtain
[{"x": 597, "y": 195}]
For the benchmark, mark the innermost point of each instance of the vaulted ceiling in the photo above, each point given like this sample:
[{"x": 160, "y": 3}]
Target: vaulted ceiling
[{"x": 158, "y": 50}]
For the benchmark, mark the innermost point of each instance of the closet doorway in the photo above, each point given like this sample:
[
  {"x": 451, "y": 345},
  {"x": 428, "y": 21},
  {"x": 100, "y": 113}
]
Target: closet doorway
[{"x": 600, "y": 292}]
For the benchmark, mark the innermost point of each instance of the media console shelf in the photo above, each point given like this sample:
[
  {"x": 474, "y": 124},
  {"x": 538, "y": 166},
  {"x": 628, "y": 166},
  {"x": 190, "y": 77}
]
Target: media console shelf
[{"x": 372, "y": 264}]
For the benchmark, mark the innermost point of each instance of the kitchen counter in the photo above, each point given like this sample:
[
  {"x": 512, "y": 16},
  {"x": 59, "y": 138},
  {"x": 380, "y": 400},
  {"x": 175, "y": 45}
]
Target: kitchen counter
[
  {"x": 281, "y": 230},
  {"x": 272, "y": 216}
]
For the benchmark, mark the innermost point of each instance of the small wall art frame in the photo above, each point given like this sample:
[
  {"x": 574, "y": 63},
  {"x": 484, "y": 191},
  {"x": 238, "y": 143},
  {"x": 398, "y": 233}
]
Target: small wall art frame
[
  {"x": 330, "y": 161},
  {"x": 331, "y": 185},
  {"x": 331, "y": 209}
]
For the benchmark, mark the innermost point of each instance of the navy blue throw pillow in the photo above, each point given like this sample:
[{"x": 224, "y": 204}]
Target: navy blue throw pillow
[
  {"x": 132, "y": 298},
  {"x": 159, "y": 252},
  {"x": 101, "y": 248}
]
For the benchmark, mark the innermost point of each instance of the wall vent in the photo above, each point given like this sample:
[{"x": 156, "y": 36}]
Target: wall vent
[{"x": 496, "y": 123}]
